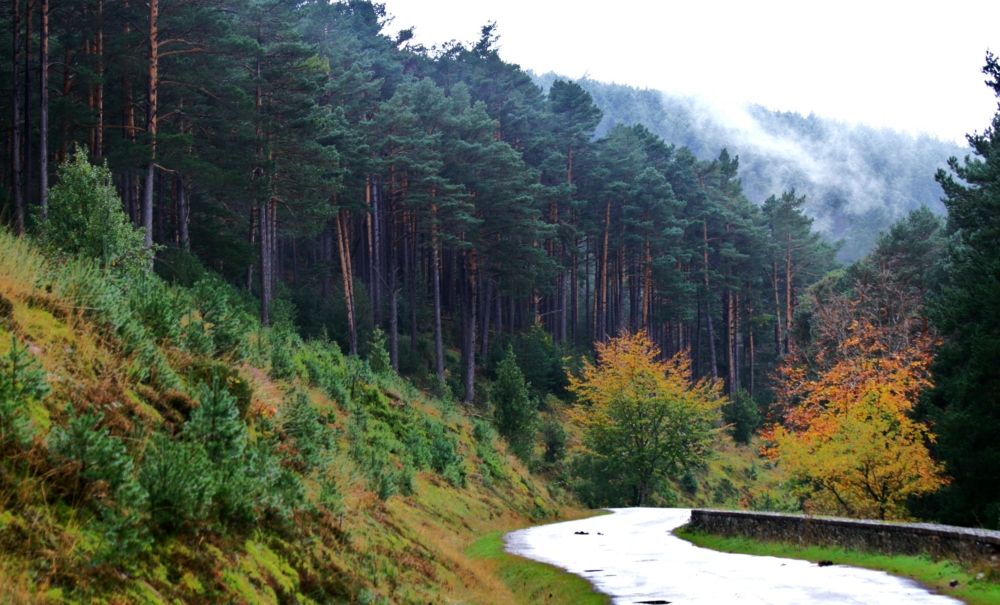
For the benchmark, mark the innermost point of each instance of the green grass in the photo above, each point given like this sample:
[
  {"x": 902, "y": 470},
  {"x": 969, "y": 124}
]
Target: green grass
[
  {"x": 975, "y": 586},
  {"x": 533, "y": 582}
]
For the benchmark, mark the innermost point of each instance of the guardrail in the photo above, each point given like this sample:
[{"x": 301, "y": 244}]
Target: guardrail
[{"x": 937, "y": 541}]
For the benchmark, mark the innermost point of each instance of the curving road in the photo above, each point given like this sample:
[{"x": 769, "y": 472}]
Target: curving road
[{"x": 633, "y": 556}]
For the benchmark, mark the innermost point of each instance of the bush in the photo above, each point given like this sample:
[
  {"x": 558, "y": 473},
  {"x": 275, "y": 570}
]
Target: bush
[
  {"x": 217, "y": 426},
  {"x": 22, "y": 382},
  {"x": 743, "y": 416},
  {"x": 105, "y": 471},
  {"x": 102, "y": 296},
  {"x": 179, "y": 479},
  {"x": 86, "y": 218},
  {"x": 445, "y": 459},
  {"x": 222, "y": 314},
  {"x": 554, "y": 438},
  {"x": 282, "y": 343},
  {"x": 310, "y": 435},
  {"x": 514, "y": 411},
  {"x": 378, "y": 356},
  {"x": 491, "y": 467},
  {"x": 157, "y": 306}
]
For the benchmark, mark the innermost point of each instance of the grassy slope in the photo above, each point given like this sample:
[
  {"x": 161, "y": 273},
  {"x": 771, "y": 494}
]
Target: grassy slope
[
  {"x": 936, "y": 575},
  {"x": 409, "y": 549}
]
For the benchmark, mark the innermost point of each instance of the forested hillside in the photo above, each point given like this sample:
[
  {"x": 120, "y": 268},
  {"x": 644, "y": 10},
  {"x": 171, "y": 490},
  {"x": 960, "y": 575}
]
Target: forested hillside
[
  {"x": 272, "y": 282},
  {"x": 857, "y": 180}
]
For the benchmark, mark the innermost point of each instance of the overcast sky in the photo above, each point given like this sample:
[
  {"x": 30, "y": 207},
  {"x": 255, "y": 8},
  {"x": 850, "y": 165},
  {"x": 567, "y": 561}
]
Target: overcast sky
[{"x": 912, "y": 66}]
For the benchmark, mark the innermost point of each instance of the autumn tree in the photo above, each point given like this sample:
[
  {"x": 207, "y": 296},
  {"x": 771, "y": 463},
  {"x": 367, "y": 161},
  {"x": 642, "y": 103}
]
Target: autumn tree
[
  {"x": 849, "y": 438},
  {"x": 644, "y": 419}
]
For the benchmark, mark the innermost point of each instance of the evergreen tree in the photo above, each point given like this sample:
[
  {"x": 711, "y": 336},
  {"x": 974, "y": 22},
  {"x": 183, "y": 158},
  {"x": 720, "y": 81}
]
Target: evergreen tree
[
  {"x": 514, "y": 411},
  {"x": 966, "y": 397}
]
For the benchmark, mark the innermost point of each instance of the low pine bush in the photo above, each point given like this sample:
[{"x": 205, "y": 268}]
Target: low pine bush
[{"x": 22, "y": 382}]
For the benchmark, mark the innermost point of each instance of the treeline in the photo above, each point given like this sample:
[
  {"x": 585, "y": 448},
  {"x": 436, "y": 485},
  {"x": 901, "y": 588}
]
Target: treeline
[
  {"x": 361, "y": 181},
  {"x": 858, "y": 179}
]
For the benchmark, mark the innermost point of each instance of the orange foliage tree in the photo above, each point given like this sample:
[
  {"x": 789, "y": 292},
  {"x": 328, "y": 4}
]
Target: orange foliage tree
[
  {"x": 848, "y": 436},
  {"x": 644, "y": 418}
]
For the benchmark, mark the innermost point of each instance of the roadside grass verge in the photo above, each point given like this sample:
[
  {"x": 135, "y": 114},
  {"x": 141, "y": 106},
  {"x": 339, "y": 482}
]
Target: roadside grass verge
[
  {"x": 531, "y": 582},
  {"x": 975, "y": 586}
]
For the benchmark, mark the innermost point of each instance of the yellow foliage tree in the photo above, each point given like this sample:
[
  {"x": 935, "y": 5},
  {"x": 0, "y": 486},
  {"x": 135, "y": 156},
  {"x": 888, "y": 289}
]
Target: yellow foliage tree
[
  {"x": 644, "y": 418},
  {"x": 848, "y": 437}
]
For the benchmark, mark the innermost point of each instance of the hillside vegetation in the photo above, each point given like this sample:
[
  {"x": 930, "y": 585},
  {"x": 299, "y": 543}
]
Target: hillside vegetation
[{"x": 160, "y": 445}]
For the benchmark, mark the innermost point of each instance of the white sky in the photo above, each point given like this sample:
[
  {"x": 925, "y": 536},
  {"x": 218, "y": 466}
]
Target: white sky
[{"x": 912, "y": 66}]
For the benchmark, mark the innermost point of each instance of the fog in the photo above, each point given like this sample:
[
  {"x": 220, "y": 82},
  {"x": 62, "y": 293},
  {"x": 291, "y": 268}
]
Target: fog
[{"x": 857, "y": 180}]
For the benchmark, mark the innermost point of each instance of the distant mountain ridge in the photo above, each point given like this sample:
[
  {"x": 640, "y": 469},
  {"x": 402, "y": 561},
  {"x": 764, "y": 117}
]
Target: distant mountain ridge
[{"x": 857, "y": 179}]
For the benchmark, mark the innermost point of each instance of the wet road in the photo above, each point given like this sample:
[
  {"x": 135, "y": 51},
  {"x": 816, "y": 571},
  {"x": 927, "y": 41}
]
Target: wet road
[{"x": 632, "y": 556}]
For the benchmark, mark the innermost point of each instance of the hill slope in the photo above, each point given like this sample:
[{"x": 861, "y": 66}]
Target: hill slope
[{"x": 329, "y": 481}]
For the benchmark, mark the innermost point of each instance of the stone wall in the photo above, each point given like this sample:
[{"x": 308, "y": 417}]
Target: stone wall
[{"x": 938, "y": 541}]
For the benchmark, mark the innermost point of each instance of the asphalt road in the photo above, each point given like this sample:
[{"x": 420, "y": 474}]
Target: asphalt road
[{"x": 633, "y": 556}]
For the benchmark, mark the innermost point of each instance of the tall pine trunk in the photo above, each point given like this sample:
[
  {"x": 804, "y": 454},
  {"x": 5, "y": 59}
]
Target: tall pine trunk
[
  {"x": 43, "y": 121},
  {"x": 778, "y": 334},
  {"x": 151, "y": 117},
  {"x": 344, "y": 251},
  {"x": 789, "y": 317},
  {"x": 17, "y": 121},
  {"x": 99, "y": 92},
  {"x": 713, "y": 361},
  {"x": 469, "y": 348},
  {"x": 436, "y": 285}
]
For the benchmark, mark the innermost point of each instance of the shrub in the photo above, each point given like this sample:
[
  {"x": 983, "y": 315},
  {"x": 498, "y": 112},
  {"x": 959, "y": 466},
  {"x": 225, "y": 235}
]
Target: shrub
[
  {"x": 491, "y": 467},
  {"x": 743, "y": 416},
  {"x": 207, "y": 372},
  {"x": 157, "y": 306},
  {"x": 554, "y": 438},
  {"x": 86, "y": 218},
  {"x": 282, "y": 342},
  {"x": 222, "y": 313},
  {"x": 101, "y": 294},
  {"x": 179, "y": 479},
  {"x": 444, "y": 456},
  {"x": 107, "y": 480},
  {"x": 514, "y": 411},
  {"x": 217, "y": 426},
  {"x": 378, "y": 356},
  {"x": 22, "y": 381},
  {"x": 310, "y": 435}
]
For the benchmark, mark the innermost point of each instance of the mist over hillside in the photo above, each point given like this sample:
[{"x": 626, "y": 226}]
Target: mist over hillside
[{"x": 857, "y": 179}]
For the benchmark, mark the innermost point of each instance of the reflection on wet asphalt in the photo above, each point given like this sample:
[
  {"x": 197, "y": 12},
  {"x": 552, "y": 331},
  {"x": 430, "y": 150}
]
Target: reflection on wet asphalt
[{"x": 632, "y": 556}]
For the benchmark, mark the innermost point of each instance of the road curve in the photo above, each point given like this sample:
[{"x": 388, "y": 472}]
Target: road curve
[{"x": 633, "y": 556}]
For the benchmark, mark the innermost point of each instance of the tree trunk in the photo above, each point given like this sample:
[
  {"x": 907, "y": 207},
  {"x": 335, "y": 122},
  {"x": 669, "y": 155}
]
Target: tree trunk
[
  {"x": 43, "y": 122},
  {"x": 574, "y": 302},
  {"x": 28, "y": 155},
  {"x": 266, "y": 258},
  {"x": 17, "y": 121},
  {"x": 151, "y": 117},
  {"x": 713, "y": 363},
  {"x": 778, "y": 335},
  {"x": 436, "y": 285},
  {"x": 99, "y": 92},
  {"x": 602, "y": 310},
  {"x": 392, "y": 241},
  {"x": 183, "y": 215},
  {"x": 377, "y": 252},
  {"x": 789, "y": 316},
  {"x": 470, "y": 328},
  {"x": 731, "y": 342},
  {"x": 344, "y": 251}
]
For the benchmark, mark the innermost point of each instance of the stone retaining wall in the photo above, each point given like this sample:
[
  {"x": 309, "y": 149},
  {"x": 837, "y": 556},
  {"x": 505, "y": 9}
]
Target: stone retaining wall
[{"x": 938, "y": 541}]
